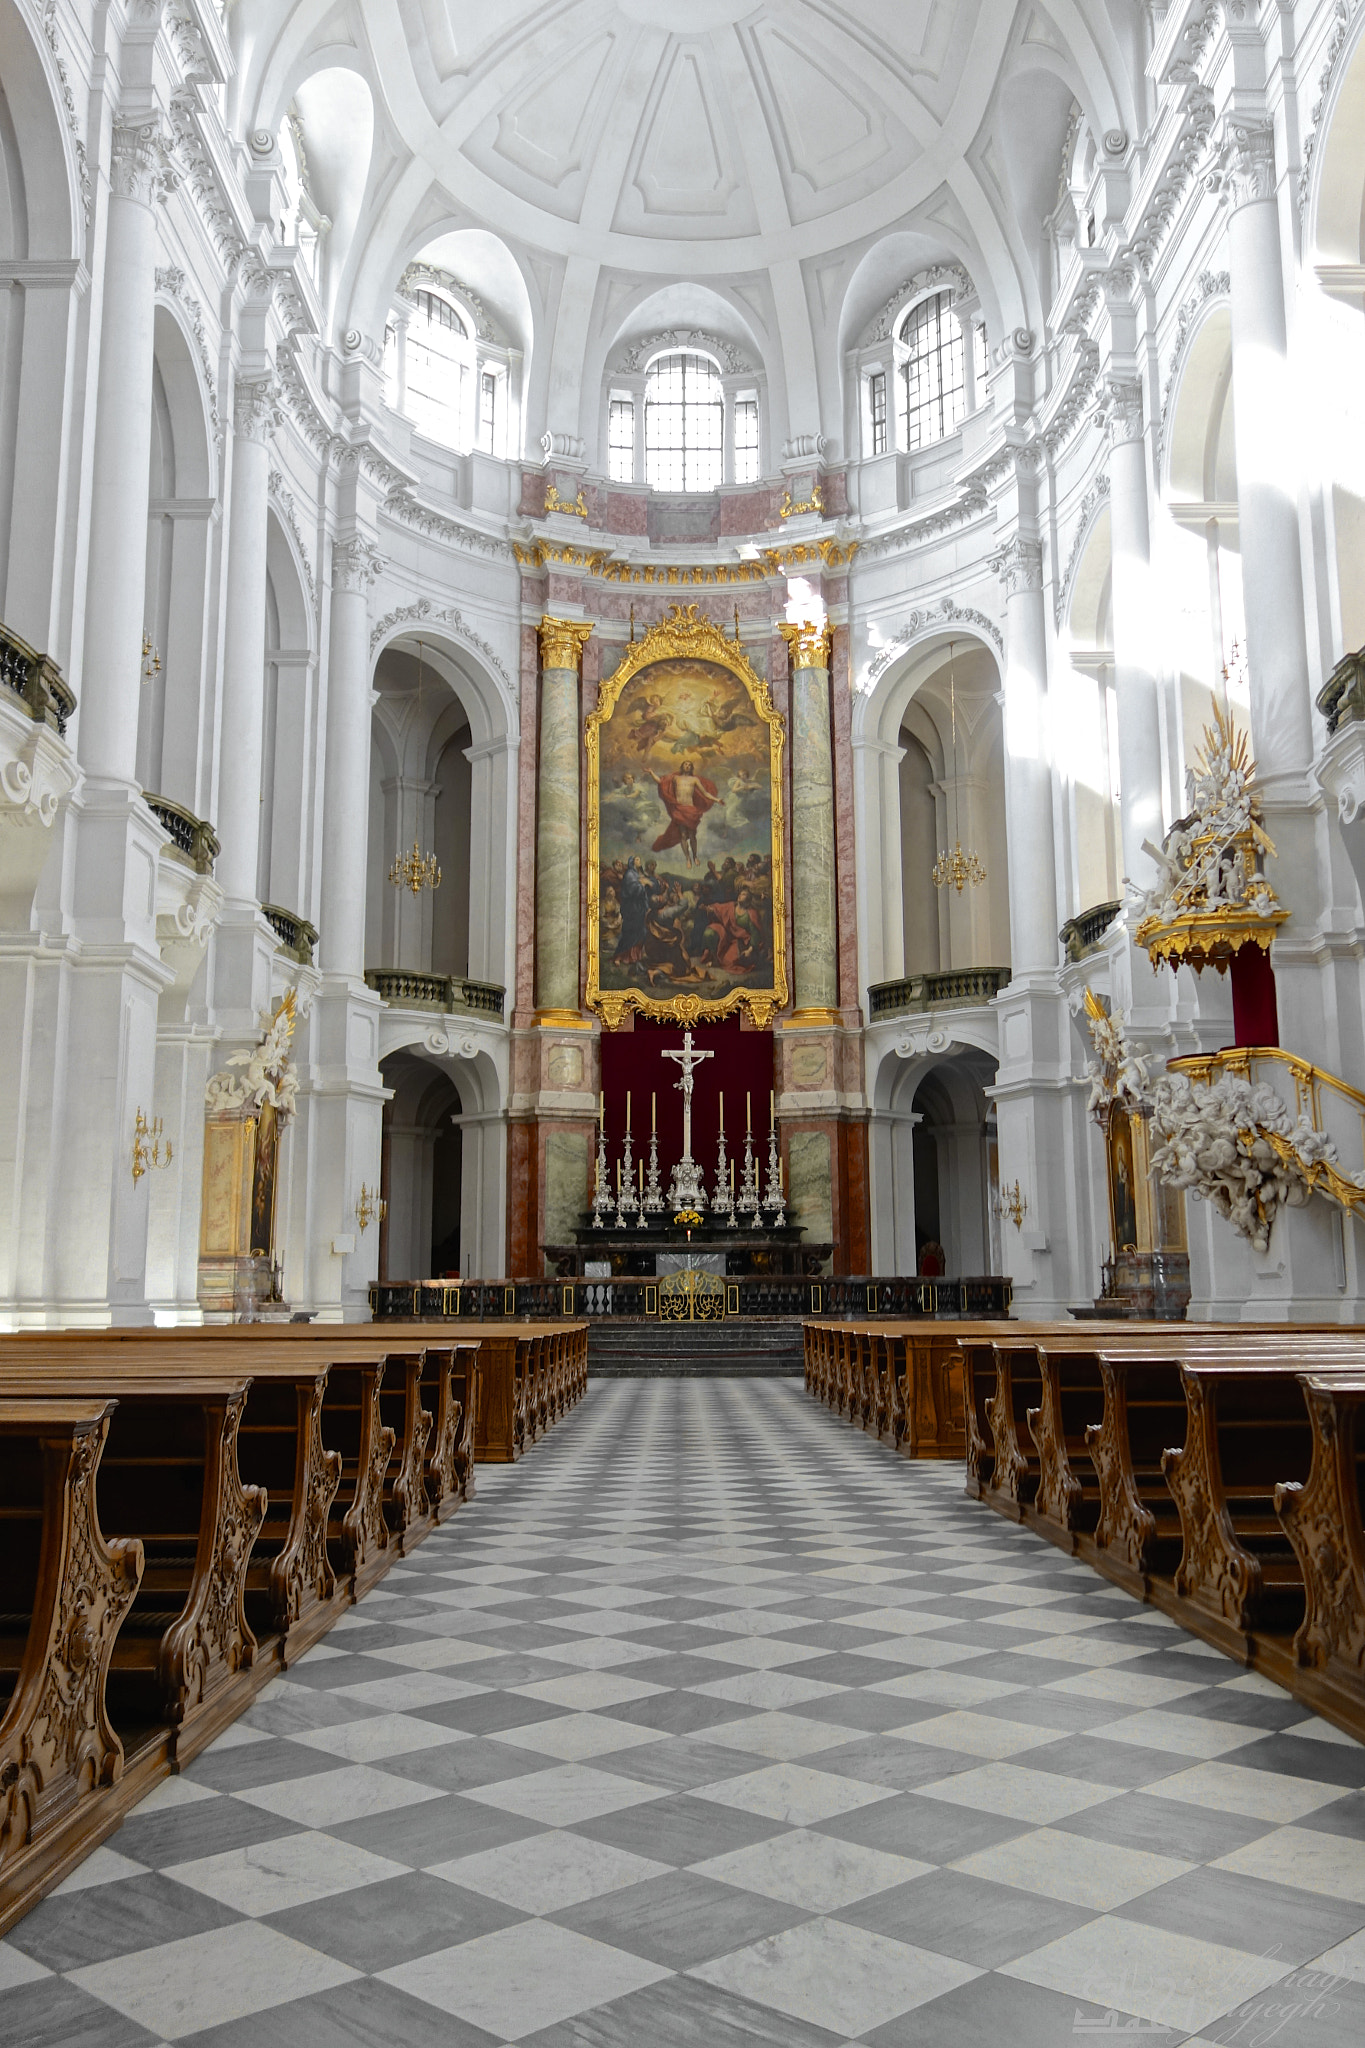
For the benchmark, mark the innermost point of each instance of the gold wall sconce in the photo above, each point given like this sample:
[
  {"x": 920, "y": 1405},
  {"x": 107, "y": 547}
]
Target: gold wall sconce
[
  {"x": 149, "y": 1149},
  {"x": 1012, "y": 1204},
  {"x": 369, "y": 1208}
]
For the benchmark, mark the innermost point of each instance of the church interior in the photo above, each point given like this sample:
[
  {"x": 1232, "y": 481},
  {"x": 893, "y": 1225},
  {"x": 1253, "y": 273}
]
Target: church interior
[{"x": 682, "y": 938}]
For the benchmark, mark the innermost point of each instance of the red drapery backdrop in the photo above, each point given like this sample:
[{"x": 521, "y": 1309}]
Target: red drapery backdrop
[
  {"x": 742, "y": 1065},
  {"x": 1255, "y": 1018}
]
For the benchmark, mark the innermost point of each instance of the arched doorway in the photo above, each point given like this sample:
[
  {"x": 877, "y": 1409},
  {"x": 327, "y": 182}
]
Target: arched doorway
[
  {"x": 953, "y": 1145},
  {"x": 421, "y": 1173}
]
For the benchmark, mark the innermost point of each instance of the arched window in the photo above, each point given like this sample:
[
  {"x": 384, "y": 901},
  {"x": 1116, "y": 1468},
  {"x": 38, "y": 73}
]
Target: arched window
[
  {"x": 438, "y": 370},
  {"x": 933, "y": 390},
  {"x": 684, "y": 424}
]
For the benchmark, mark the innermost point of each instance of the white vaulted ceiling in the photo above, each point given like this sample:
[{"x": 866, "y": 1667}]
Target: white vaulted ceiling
[{"x": 800, "y": 123}]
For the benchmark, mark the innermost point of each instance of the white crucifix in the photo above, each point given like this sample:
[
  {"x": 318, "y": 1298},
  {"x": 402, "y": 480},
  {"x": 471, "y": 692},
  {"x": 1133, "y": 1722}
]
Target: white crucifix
[{"x": 688, "y": 1058}]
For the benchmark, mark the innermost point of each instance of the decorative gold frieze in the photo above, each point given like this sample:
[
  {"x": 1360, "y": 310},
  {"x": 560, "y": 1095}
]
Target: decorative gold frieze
[
  {"x": 576, "y": 507},
  {"x": 770, "y": 564}
]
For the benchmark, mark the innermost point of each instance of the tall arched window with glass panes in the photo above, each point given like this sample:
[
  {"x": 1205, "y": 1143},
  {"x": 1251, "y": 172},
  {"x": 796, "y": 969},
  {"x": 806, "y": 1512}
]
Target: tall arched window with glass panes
[
  {"x": 932, "y": 384},
  {"x": 684, "y": 423}
]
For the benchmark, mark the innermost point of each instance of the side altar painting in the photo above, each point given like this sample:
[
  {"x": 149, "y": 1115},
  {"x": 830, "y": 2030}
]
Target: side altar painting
[{"x": 686, "y": 902}]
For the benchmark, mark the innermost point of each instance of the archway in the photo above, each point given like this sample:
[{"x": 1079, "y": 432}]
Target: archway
[{"x": 945, "y": 1183}]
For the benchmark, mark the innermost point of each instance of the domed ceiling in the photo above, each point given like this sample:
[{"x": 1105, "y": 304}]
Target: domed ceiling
[{"x": 619, "y": 127}]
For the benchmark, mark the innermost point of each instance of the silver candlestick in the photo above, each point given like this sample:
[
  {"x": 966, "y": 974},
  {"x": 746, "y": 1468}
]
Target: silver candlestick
[
  {"x": 747, "y": 1199},
  {"x": 654, "y": 1194},
  {"x": 601, "y": 1194},
  {"x": 627, "y": 1201},
  {"x": 721, "y": 1203},
  {"x": 772, "y": 1194}
]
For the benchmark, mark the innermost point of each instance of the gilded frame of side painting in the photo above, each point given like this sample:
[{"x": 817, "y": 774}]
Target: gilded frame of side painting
[{"x": 686, "y": 712}]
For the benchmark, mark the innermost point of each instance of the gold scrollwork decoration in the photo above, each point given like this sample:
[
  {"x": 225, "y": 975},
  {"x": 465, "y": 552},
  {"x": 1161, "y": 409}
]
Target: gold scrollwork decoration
[
  {"x": 808, "y": 644},
  {"x": 577, "y": 507},
  {"x": 691, "y": 1296},
  {"x": 790, "y": 509}
]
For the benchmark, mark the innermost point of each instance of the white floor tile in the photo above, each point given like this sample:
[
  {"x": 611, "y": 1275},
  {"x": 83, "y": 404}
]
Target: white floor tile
[
  {"x": 560, "y": 1798},
  {"x": 1306, "y": 1857},
  {"x": 1018, "y": 1793},
  {"x": 208, "y": 1979},
  {"x": 486, "y": 1982},
  {"x": 548, "y": 1872},
  {"x": 1062, "y": 1866},
  {"x": 1346, "y": 1959},
  {"x": 791, "y": 1792},
  {"x": 978, "y": 1734},
  {"x": 1180, "y": 1734},
  {"x": 778, "y": 1735},
  {"x": 1264, "y": 1795},
  {"x": 377, "y": 1736},
  {"x": 328, "y": 1798},
  {"x": 267, "y": 1877},
  {"x": 1125, "y": 1688},
  {"x": 767, "y": 1689},
  {"x": 815, "y": 1871},
  {"x": 585, "y": 1690},
  {"x": 1158, "y": 1976},
  {"x": 407, "y": 1690},
  {"x": 571, "y": 1737},
  {"x": 836, "y": 1976},
  {"x": 16, "y": 1968},
  {"x": 948, "y": 1688},
  {"x": 435, "y": 1653},
  {"x": 102, "y": 1866}
]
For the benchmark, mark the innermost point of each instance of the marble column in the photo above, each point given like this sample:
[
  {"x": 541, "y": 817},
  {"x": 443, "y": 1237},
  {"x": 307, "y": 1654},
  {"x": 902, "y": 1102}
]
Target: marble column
[
  {"x": 346, "y": 783},
  {"x": 241, "y": 740},
  {"x": 814, "y": 909},
  {"x": 1268, "y": 466},
  {"x": 1028, "y": 767},
  {"x": 1139, "y": 720},
  {"x": 139, "y": 179},
  {"x": 558, "y": 841}
]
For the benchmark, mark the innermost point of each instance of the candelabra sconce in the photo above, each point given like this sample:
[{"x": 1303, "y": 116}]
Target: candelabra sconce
[
  {"x": 653, "y": 1202},
  {"x": 416, "y": 871},
  {"x": 369, "y": 1208},
  {"x": 601, "y": 1194},
  {"x": 148, "y": 1148},
  {"x": 151, "y": 660},
  {"x": 1011, "y": 1205}
]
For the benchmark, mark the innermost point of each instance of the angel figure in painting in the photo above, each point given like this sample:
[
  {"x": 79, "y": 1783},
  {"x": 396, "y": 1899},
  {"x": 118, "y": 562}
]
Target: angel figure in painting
[{"x": 687, "y": 797}]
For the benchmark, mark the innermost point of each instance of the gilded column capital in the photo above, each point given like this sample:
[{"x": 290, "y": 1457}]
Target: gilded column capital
[
  {"x": 562, "y": 641},
  {"x": 140, "y": 162},
  {"x": 808, "y": 645}
]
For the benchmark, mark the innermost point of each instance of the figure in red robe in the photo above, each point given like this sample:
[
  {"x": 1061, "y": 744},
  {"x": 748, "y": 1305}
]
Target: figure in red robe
[{"x": 687, "y": 797}]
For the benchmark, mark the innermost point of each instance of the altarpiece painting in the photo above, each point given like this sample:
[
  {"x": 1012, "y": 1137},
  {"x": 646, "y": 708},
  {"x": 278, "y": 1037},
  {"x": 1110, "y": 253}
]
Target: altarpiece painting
[{"x": 686, "y": 903}]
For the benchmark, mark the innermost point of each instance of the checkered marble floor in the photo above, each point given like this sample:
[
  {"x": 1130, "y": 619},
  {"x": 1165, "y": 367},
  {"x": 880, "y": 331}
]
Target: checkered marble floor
[{"x": 712, "y": 1724}]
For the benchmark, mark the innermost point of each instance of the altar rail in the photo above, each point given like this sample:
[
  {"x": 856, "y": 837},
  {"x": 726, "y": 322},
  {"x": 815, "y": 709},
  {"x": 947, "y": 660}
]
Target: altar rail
[
  {"x": 1215, "y": 1470},
  {"x": 984, "y": 1297}
]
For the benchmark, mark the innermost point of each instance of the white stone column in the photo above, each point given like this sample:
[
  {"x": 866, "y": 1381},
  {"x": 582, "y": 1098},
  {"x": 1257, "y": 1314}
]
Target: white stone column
[
  {"x": 1269, "y": 460},
  {"x": 242, "y": 729},
  {"x": 1028, "y": 763},
  {"x": 111, "y": 674},
  {"x": 346, "y": 779},
  {"x": 1139, "y": 718}
]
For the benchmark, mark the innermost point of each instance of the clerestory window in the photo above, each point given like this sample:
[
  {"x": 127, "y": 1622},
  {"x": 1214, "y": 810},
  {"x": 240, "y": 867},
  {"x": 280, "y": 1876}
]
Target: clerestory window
[
  {"x": 684, "y": 423},
  {"x": 438, "y": 370},
  {"x": 621, "y": 440},
  {"x": 933, "y": 391}
]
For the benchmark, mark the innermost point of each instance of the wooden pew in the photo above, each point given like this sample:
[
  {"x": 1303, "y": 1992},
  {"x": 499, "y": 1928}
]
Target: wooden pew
[
  {"x": 67, "y": 1591},
  {"x": 1324, "y": 1518},
  {"x": 449, "y": 1392}
]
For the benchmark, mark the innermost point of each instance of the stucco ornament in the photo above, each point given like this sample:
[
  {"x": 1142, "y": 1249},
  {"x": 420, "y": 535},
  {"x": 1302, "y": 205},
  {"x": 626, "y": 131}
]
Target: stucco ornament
[
  {"x": 270, "y": 1077},
  {"x": 1210, "y": 896},
  {"x": 1230, "y": 1141}
]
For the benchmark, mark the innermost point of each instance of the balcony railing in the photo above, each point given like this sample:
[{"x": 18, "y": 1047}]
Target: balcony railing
[
  {"x": 1079, "y": 934},
  {"x": 295, "y": 934},
  {"x": 411, "y": 990},
  {"x": 956, "y": 988},
  {"x": 192, "y": 840},
  {"x": 35, "y": 679},
  {"x": 1341, "y": 700}
]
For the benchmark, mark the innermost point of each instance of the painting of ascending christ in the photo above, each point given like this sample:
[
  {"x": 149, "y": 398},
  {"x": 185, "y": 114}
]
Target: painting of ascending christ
[{"x": 686, "y": 913}]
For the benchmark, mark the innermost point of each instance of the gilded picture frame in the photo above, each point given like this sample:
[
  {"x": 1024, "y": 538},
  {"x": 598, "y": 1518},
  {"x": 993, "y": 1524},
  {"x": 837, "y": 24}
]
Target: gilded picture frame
[{"x": 690, "y": 925}]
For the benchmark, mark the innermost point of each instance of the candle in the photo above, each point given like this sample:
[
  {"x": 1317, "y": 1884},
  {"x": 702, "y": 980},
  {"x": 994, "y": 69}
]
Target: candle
[
  {"x": 602, "y": 1109},
  {"x": 642, "y": 1177},
  {"x": 772, "y": 1107},
  {"x": 748, "y": 1113},
  {"x": 653, "y": 1114},
  {"x": 618, "y": 1180},
  {"x": 722, "y": 1112},
  {"x": 732, "y": 1179},
  {"x": 627, "y": 1112},
  {"x": 781, "y": 1176}
]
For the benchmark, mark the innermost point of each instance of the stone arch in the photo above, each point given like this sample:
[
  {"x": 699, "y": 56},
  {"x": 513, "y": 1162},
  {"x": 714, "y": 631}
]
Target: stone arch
[
  {"x": 964, "y": 1055},
  {"x": 182, "y": 499},
  {"x": 1335, "y": 177},
  {"x": 451, "y": 1088},
  {"x": 490, "y": 752},
  {"x": 290, "y": 754}
]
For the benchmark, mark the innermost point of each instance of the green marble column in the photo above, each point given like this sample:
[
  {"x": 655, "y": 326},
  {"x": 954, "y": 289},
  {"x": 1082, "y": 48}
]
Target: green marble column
[
  {"x": 557, "y": 822},
  {"x": 815, "y": 922}
]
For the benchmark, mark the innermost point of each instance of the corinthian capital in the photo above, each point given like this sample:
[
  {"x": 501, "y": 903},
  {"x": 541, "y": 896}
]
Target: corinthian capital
[
  {"x": 140, "y": 162},
  {"x": 256, "y": 408},
  {"x": 1244, "y": 168},
  {"x": 562, "y": 641},
  {"x": 355, "y": 564},
  {"x": 1019, "y": 564},
  {"x": 808, "y": 644},
  {"x": 1120, "y": 410}
]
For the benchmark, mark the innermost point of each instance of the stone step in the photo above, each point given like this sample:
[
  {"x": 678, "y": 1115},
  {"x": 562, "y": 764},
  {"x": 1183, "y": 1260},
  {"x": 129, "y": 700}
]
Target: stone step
[{"x": 740, "y": 1347}]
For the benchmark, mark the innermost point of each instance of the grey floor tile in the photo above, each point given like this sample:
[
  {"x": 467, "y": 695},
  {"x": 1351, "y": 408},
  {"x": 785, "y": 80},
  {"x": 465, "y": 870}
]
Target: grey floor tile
[
  {"x": 203, "y": 1829},
  {"x": 966, "y": 1917},
  {"x": 1343, "y": 1817},
  {"x": 883, "y": 1760},
  {"x": 1306, "y": 2009},
  {"x": 487, "y": 1712},
  {"x": 1327, "y": 1763},
  {"x": 681, "y": 1713},
  {"x": 680, "y": 1830},
  {"x": 1107, "y": 1763},
  {"x": 1247, "y": 1912},
  {"x": 681, "y": 2012},
  {"x": 681, "y": 1919},
  {"x": 933, "y": 1830},
  {"x": 362, "y": 2014},
  {"x": 435, "y": 1830},
  {"x": 379, "y": 1925},
  {"x": 257, "y": 1763},
  {"x": 997, "y": 2009},
  {"x": 52, "y": 2013},
  {"x": 872, "y": 1711},
  {"x": 1168, "y": 1827},
  {"x": 79, "y": 1927}
]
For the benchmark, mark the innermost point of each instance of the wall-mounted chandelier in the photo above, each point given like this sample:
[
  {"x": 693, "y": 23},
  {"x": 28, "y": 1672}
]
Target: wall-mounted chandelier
[
  {"x": 416, "y": 870},
  {"x": 961, "y": 870}
]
